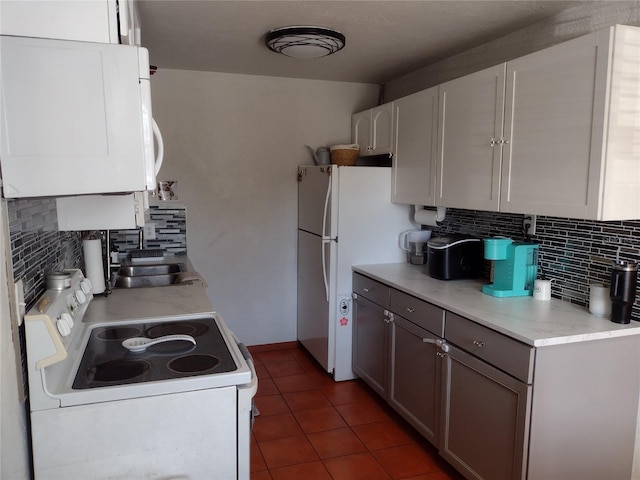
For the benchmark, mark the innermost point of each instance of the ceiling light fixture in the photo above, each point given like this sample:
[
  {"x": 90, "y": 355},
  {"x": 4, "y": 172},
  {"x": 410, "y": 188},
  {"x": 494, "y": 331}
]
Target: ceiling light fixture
[{"x": 304, "y": 42}]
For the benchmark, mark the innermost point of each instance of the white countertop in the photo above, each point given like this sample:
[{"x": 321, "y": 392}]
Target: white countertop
[
  {"x": 534, "y": 322},
  {"x": 124, "y": 304},
  {"x": 140, "y": 303}
]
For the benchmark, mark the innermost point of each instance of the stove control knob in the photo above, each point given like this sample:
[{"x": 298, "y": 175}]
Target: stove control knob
[
  {"x": 63, "y": 327},
  {"x": 67, "y": 318},
  {"x": 80, "y": 297},
  {"x": 86, "y": 286}
]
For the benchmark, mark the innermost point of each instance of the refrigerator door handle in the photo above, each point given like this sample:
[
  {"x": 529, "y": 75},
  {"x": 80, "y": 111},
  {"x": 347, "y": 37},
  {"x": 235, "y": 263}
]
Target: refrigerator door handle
[
  {"x": 325, "y": 242},
  {"x": 325, "y": 239},
  {"x": 324, "y": 212}
]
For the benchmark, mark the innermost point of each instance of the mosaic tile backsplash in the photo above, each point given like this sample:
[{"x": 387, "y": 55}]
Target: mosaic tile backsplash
[
  {"x": 574, "y": 253},
  {"x": 170, "y": 222},
  {"x": 37, "y": 246}
]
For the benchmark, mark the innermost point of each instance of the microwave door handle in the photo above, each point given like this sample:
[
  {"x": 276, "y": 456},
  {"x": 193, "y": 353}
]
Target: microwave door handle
[{"x": 160, "y": 156}]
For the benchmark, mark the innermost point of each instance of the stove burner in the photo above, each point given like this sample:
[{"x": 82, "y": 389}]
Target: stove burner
[
  {"x": 195, "y": 329},
  {"x": 193, "y": 363},
  {"x": 117, "y": 370},
  {"x": 118, "y": 333},
  {"x": 106, "y": 363},
  {"x": 171, "y": 348}
]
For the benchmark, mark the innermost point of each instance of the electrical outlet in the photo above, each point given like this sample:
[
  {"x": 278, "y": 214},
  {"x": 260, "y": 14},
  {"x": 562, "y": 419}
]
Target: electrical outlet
[
  {"x": 150, "y": 231},
  {"x": 529, "y": 224}
]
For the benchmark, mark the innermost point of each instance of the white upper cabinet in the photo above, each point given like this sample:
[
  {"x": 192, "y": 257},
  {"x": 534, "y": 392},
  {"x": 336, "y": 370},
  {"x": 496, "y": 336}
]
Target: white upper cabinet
[
  {"x": 361, "y": 131},
  {"x": 102, "y": 21},
  {"x": 572, "y": 122},
  {"x": 373, "y": 130},
  {"x": 76, "y": 118},
  {"x": 470, "y": 128},
  {"x": 414, "y": 154}
]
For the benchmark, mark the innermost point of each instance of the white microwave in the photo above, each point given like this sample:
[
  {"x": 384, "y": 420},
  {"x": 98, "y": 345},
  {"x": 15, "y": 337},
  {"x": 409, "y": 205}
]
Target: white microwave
[{"x": 76, "y": 118}]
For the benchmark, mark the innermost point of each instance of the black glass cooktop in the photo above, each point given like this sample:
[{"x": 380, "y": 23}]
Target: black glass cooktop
[{"x": 107, "y": 363}]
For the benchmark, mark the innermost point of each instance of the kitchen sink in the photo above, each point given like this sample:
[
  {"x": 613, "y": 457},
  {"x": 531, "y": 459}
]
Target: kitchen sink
[
  {"x": 145, "y": 281},
  {"x": 150, "y": 275},
  {"x": 155, "y": 269}
]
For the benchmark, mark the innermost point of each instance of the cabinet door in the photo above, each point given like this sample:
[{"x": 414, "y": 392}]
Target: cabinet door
[
  {"x": 361, "y": 131},
  {"x": 485, "y": 419},
  {"x": 370, "y": 343},
  {"x": 414, "y": 153},
  {"x": 414, "y": 389},
  {"x": 470, "y": 122},
  {"x": 77, "y": 126},
  {"x": 382, "y": 129},
  {"x": 553, "y": 161},
  {"x": 94, "y": 21}
]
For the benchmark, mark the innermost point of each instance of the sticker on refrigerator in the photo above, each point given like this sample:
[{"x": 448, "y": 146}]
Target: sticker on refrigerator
[{"x": 343, "y": 307}]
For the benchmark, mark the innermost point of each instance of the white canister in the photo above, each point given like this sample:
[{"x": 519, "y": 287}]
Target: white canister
[
  {"x": 599, "y": 300},
  {"x": 542, "y": 290}
]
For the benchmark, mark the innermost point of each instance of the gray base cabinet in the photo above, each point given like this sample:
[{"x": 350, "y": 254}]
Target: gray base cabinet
[
  {"x": 414, "y": 389},
  {"x": 370, "y": 349},
  {"x": 371, "y": 332},
  {"x": 485, "y": 416},
  {"x": 497, "y": 408}
]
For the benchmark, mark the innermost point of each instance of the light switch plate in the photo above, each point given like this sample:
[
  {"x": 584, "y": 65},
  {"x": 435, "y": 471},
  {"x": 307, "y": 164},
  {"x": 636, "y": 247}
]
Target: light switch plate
[
  {"x": 149, "y": 231},
  {"x": 19, "y": 306},
  {"x": 530, "y": 222}
]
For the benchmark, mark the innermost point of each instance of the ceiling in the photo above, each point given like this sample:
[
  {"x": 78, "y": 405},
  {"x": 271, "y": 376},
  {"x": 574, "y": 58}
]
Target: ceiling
[{"x": 385, "y": 39}]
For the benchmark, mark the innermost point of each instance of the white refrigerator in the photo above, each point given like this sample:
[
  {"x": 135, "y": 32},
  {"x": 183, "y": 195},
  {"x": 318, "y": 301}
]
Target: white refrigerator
[{"x": 345, "y": 218}]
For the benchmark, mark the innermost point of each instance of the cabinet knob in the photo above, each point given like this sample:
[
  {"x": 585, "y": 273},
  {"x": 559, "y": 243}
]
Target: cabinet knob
[
  {"x": 478, "y": 343},
  {"x": 440, "y": 354},
  {"x": 368, "y": 289},
  {"x": 411, "y": 310}
]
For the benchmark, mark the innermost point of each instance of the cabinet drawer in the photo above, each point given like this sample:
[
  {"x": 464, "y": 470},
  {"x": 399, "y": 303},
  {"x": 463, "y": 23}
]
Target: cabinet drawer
[
  {"x": 375, "y": 291},
  {"x": 417, "y": 311},
  {"x": 503, "y": 352}
]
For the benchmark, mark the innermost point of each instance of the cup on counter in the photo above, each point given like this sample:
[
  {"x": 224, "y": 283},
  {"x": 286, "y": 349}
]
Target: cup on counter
[
  {"x": 599, "y": 300},
  {"x": 542, "y": 290}
]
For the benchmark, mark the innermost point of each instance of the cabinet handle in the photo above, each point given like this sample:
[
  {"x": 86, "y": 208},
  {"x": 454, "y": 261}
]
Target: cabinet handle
[
  {"x": 411, "y": 310},
  {"x": 354, "y": 296},
  {"x": 367, "y": 290},
  {"x": 478, "y": 343},
  {"x": 440, "y": 354},
  {"x": 493, "y": 142}
]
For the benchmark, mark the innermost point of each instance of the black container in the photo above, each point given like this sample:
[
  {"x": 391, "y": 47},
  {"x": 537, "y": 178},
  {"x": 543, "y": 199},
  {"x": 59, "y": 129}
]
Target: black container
[
  {"x": 624, "y": 281},
  {"x": 455, "y": 257}
]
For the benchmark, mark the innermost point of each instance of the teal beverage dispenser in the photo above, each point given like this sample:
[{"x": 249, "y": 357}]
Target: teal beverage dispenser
[{"x": 515, "y": 267}]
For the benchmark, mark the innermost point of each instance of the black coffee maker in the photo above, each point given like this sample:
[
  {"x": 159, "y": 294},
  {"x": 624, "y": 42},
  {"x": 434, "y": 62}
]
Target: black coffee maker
[{"x": 624, "y": 280}]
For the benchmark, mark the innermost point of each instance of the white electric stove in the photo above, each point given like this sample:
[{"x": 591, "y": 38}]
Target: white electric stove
[{"x": 179, "y": 408}]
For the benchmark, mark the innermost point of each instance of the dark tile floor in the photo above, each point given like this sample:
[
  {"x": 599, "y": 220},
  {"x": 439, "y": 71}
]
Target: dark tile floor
[{"x": 312, "y": 428}]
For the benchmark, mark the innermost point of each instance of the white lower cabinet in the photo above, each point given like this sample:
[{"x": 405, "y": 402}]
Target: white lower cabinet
[{"x": 470, "y": 391}]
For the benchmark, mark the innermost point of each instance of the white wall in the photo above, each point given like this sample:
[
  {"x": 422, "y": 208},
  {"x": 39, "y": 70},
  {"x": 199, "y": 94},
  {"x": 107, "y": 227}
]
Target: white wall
[
  {"x": 571, "y": 23},
  {"x": 14, "y": 441},
  {"x": 233, "y": 142}
]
